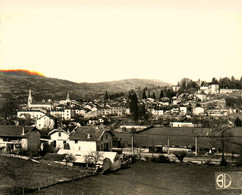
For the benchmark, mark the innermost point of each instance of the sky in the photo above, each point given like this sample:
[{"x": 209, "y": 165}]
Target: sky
[{"x": 105, "y": 40}]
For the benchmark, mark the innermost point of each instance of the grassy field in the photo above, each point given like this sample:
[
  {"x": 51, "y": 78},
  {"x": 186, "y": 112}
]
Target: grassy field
[
  {"x": 149, "y": 178},
  {"x": 21, "y": 173},
  {"x": 182, "y": 137}
]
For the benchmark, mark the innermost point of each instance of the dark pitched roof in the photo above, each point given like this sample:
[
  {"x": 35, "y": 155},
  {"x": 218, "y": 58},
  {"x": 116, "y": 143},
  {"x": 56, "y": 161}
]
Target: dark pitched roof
[
  {"x": 44, "y": 134},
  {"x": 42, "y": 103},
  {"x": 14, "y": 131},
  {"x": 82, "y": 133},
  {"x": 59, "y": 129}
]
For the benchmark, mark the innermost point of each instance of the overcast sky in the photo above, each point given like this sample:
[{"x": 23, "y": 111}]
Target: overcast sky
[{"x": 92, "y": 41}]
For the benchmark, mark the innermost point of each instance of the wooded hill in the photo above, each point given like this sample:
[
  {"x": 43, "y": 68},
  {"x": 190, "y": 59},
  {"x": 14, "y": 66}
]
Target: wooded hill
[{"x": 16, "y": 87}]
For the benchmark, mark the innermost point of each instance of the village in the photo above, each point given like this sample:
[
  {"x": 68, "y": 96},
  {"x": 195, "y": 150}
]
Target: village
[{"x": 106, "y": 135}]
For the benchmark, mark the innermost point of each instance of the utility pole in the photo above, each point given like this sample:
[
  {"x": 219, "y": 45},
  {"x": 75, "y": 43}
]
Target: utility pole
[
  {"x": 168, "y": 143},
  {"x": 132, "y": 144},
  {"x": 195, "y": 146}
]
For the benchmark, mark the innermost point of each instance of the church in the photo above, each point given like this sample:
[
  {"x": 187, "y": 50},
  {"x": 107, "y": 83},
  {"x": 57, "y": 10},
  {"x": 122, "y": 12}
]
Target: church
[{"x": 38, "y": 105}]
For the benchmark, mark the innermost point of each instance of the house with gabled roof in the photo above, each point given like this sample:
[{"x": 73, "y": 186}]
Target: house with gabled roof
[
  {"x": 91, "y": 138},
  {"x": 13, "y": 138},
  {"x": 33, "y": 114},
  {"x": 45, "y": 122},
  {"x": 58, "y": 137}
]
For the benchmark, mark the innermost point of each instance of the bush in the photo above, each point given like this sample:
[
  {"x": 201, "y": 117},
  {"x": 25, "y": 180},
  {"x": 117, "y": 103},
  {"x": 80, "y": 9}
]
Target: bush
[
  {"x": 208, "y": 163},
  {"x": 47, "y": 148},
  {"x": 180, "y": 155},
  {"x": 223, "y": 163},
  {"x": 23, "y": 152},
  {"x": 160, "y": 159}
]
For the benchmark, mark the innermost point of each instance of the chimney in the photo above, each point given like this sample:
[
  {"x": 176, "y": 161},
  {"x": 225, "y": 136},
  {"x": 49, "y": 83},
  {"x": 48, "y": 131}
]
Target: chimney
[
  {"x": 88, "y": 136},
  {"x": 23, "y": 131}
]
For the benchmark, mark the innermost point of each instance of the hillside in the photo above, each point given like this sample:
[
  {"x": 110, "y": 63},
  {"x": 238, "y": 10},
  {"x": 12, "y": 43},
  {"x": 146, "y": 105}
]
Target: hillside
[{"x": 16, "y": 87}]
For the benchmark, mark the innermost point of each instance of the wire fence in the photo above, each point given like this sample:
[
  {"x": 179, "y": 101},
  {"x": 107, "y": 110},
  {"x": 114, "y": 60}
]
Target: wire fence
[{"x": 38, "y": 185}]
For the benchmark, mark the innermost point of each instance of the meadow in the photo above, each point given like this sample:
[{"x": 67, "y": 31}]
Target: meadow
[
  {"x": 149, "y": 178},
  {"x": 184, "y": 137}
]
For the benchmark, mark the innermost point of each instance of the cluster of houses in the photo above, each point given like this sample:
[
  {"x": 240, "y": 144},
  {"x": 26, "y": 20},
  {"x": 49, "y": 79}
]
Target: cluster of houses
[
  {"x": 78, "y": 142},
  {"x": 44, "y": 114},
  {"x": 202, "y": 103}
]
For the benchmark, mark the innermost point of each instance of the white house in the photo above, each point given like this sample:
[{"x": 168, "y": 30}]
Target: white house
[
  {"x": 201, "y": 97},
  {"x": 90, "y": 138},
  {"x": 33, "y": 114},
  {"x": 64, "y": 114},
  {"x": 198, "y": 111},
  {"x": 183, "y": 110},
  {"x": 45, "y": 122},
  {"x": 58, "y": 137},
  {"x": 211, "y": 89},
  {"x": 214, "y": 88},
  {"x": 157, "y": 112},
  {"x": 181, "y": 124}
]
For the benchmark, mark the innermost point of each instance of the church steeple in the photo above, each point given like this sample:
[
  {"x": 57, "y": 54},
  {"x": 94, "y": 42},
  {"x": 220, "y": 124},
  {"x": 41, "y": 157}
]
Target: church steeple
[
  {"x": 30, "y": 99},
  {"x": 68, "y": 97}
]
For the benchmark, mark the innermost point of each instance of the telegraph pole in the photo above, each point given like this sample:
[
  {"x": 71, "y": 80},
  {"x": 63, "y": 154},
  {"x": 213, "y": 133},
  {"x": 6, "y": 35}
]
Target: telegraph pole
[
  {"x": 132, "y": 144},
  {"x": 168, "y": 143},
  {"x": 196, "y": 146}
]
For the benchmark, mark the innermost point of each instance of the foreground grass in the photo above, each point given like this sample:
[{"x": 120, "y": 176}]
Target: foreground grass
[
  {"x": 150, "y": 178},
  {"x": 18, "y": 173}
]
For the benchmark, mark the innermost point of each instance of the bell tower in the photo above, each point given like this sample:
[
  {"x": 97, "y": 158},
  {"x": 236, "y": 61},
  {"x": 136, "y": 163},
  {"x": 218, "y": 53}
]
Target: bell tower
[{"x": 30, "y": 99}]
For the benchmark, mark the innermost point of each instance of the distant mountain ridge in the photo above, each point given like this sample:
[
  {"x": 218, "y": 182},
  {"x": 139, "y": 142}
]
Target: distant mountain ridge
[{"x": 16, "y": 87}]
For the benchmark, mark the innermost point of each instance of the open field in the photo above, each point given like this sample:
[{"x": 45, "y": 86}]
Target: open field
[
  {"x": 182, "y": 137},
  {"x": 22, "y": 173},
  {"x": 149, "y": 178}
]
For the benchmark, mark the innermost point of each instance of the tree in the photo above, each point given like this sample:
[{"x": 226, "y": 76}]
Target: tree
[
  {"x": 144, "y": 94},
  {"x": 142, "y": 112},
  {"x": 214, "y": 80},
  {"x": 8, "y": 109},
  {"x": 180, "y": 155},
  {"x": 153, "y": 95},
  {"x": 47, "y": 148},
  {"x": 93, "y": 158},
  {"x": 106, "y": 96},
  {"x": 69, "y": 158},
  {"x": 161, "y": 94},
  {"x": 133, "y": 105},
  {"x": 237, "y": 122}
]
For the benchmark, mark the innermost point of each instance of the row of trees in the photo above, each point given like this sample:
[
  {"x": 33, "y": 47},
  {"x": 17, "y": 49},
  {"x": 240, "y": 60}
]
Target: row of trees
[
  {"x": 228, "y": 83},
  {"x": 112, "y": 96},
  {"x": 165, "y": 92}
]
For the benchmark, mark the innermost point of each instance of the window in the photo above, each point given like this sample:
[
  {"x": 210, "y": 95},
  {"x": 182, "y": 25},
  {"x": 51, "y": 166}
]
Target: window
[
  {"x": 106, "y": 136},
  {"x": 59, "y": 134},
  {"x": 76, "y": 141}
]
